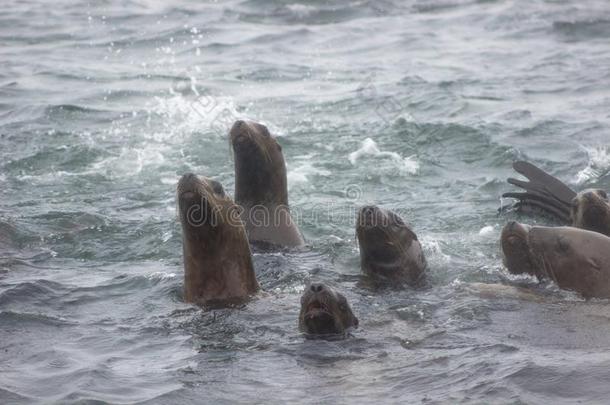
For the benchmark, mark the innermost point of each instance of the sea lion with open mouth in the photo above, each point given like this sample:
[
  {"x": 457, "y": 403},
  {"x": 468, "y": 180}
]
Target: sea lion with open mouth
[
  {"x": 217, "y": 258},
  {"x": 325, "y": 312},
  {"x": 589, "y": 209},
  {"x": 389, "y": 249},
  {"x": 575, "y": 259},
  {"x": 261, "y": 186}
]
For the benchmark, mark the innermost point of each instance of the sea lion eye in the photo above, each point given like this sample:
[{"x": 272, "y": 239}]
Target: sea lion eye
[{"x": 562, "y": 244}]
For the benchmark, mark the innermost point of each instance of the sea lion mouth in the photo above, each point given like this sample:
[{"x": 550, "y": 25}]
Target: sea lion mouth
[
  {"x": 188, "y": 195},
  {"x": 319, "y": 320},
  {"x": 316, "y": 307}
]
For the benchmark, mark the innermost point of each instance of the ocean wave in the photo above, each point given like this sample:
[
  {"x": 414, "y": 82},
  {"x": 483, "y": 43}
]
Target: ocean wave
[
  {"x": 369, "y": 149},
  {"x": 584, "y": 29}
]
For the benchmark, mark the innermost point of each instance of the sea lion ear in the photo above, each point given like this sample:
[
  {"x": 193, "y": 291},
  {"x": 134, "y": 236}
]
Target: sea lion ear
[{"x": 217, "y": 187}]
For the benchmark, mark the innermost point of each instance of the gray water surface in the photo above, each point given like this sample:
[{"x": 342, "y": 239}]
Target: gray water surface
[{"x": 418, "y": 106}]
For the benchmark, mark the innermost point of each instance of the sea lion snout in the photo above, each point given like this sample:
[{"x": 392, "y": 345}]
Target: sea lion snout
[
  {"x": 316, "y": 288},
  {"x": 368, "y": 216},
  {"x": 515, "y": 247},
  {"x": 187, "y": 183},
  {"x": 244, "y": 130}
]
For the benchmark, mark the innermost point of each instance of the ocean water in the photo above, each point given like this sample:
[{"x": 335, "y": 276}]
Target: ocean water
[{"x": 418, "y": 106}]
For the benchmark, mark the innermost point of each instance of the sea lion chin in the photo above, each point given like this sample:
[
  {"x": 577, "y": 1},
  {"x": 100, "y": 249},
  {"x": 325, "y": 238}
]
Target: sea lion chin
[
  {"x": 389, "y": 250},
  {"x": 575, "y": 259},
  {"x": 261, "y": 186},
  {"x": 217, "y": 259},
  {"x": 325, "y": 312}
]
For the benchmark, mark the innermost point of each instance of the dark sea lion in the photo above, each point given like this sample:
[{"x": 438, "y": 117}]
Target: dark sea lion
[
  {"x": 261, "y": 186},
  {"x": 325, "y": 312},
  {"x": 217, "y": 258},
  {"x": 389, "y": 249},
  {"x": 575, "y": 259},
  {"x": 589, "y": 209}
]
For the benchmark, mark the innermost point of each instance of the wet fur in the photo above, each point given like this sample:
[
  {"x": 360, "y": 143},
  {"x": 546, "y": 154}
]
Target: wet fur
[{"x": 217, "y": 258}]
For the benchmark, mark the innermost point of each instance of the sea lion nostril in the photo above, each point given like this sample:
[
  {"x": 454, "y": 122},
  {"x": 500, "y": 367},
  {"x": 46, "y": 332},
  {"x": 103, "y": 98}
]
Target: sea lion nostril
[{"x": 316, "y": 288}]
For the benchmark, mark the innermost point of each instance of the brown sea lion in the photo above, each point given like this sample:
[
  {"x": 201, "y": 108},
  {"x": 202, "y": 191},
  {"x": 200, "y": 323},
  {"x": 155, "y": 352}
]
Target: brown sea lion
[
  {"x": 325, "y": 312},
  {"x": 575, "y": 259},
  {"x": 217, "y": 258},
  {"x": 389, "y": 249},
  {"x": 589, "y": 209},
  {"x": 261, "y": 186}
]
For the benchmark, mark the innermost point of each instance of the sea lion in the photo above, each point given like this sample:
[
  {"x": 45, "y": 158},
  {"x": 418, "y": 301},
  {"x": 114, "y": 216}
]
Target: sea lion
[
  {"x": 217, "y": 258},
  {"x": 389, "y": 249},
  {"x": 589, "y": 209},
  {"x": 261, "y": 186},
  {"x": 575, "y": 259},
  {"x": 325, "y": 312}
]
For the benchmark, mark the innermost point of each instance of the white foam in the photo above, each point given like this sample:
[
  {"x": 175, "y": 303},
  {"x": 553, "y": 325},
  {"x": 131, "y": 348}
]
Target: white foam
[
  {"x": 161, "y": 275},
  {"x": 369, "y": 148},
  {"x": 487, "y": 231},
  {"x": 598, "y": 166},
  {"x": 432, "y": 248},
  {"x": 131, "y": 161},
  {"x": 301, "y": 174}
]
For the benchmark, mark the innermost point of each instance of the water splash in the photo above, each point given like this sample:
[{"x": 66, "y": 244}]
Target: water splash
[
  {"x": 407, "y": 165},
  {"x": 598, "y": 165}
]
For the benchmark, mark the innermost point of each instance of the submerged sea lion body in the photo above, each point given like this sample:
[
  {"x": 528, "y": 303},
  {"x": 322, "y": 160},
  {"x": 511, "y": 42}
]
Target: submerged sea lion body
[
  {"x": 575, "y": 259},
  {"x": 261, "y": 186},
  {"x": 217, "y": 258},
  {"x": 389, "y": 249},
  {"x": 325, "y": 312}
]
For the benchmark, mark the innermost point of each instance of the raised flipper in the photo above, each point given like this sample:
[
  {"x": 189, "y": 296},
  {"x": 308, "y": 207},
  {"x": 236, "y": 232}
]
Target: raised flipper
[
  {"x": 543, "y": 192},
  {"x": 541, "y": 201},
  {"x": 543, "y": 181}
]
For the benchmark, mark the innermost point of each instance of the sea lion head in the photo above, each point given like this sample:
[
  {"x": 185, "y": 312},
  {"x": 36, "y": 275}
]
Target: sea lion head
[
  {"x": 516, "y": 249},
  {"x": 575, "y": 259},
  {"x": 260, "y": 170},
  {"x": 325, "y": 311},
  {"x": 389, "y": 249},
  {"x": 539, "y": 250},
  {"x": 591, "y": 211},
  {"x": 203, "y": 206},
  {"x": 217, "y": 257}
]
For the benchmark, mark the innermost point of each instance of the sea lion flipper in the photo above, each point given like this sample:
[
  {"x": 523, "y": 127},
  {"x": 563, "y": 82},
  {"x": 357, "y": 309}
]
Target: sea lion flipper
[
  {"x": 544, "y": 182},
  {"x": 534, "y": 206},
  {"x": 542, "y": 199},
  {"x": 543, "y": 192}
]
